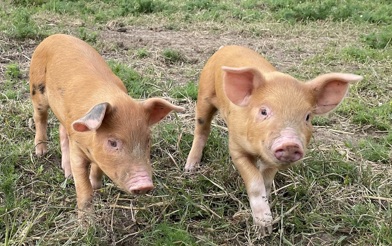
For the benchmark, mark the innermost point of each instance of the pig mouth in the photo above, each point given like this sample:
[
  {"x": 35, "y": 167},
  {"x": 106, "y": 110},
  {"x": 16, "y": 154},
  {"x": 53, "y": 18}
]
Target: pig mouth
[{"x": 139, "y": 185}]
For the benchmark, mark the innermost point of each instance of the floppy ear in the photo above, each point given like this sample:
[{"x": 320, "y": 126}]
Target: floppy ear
[
  {"x": 330, "y": 89},
  {"x": 158, "y": 108},
  {"x": 92, "y": 120},
  {"x": 239, "y": 83}
]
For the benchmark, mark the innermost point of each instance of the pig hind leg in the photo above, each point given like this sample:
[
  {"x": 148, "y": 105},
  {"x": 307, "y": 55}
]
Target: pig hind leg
[
  {"x": 204, "y": 114},
  {"x": 41, "y": 106},
  {"x": 65, "y": 159},
  {"x": 96, "y": 176}
]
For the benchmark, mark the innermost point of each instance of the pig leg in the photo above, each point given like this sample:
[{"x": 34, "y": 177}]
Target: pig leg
[
  {"x": 204, "y": 114},
  {"x": 80, "y": 171},
  {"x": 255, "y": 187},
  {"x": 64, "y": 142},
  {"x": 41, "y": 106},
  {"x": 268, "y": 176},
  {"x": 96, "y": 176}
]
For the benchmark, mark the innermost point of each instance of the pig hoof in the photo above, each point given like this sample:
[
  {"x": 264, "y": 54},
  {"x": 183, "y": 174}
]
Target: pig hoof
[
  {"x": 41, "y": 149},
  {"x": 67, "y": 174},
  {"x": 192, "y": 167},
  {"x": 262, "y": 232},
  {"x": 265, "y": 221}
]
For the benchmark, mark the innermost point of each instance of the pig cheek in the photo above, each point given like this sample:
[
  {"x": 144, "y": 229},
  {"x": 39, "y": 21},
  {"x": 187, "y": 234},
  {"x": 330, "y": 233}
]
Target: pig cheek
[
  {"x": 112, "y": 157},
  {"x": 305, "y": 134},
  {"x": 258, "y": 137}
]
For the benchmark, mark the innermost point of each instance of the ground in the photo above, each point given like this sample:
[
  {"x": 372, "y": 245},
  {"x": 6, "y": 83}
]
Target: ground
[{"x": 339, "y": 194}]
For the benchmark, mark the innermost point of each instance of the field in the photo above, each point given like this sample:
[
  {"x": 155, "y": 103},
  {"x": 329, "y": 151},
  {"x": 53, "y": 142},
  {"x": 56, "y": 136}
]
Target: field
[{"x": 340, "y": 194}]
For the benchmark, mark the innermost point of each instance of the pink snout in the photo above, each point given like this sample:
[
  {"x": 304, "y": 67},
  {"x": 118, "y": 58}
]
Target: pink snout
[
  {"x": 288, "y": 152},
  {"x": 288, "y": 147},
  {"x": 140, "y": 185}
]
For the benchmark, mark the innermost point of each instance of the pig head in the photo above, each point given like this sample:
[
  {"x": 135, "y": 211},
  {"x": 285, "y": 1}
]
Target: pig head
[
  {"x": 102, "y": 129},
  {"x": 268, "y": 115}
]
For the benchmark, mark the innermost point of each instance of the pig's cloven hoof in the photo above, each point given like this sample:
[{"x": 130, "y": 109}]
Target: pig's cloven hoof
[
  {"x": 192, "y": 167},
  {"x": 264, "y": 222},
  {"x": 41, "y": 149}
]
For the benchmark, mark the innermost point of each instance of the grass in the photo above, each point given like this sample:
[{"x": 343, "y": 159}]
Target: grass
[{"x": 339, "y": 195}]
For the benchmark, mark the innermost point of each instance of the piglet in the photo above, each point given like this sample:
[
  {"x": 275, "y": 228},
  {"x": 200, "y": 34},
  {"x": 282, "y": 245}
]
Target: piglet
[
  {"x": 268, "y": 115},
  {"x": 102, "y": 129}
]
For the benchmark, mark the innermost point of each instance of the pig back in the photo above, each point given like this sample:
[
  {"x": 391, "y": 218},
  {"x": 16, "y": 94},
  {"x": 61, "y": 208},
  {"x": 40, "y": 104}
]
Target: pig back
[{"x": 76, "y": 76}]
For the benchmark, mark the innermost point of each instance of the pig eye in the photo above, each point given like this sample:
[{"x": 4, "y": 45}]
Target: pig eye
[
  {"x": 112, "y": 143},
  {"x": 265, "y": 113},
  {"x": 307, "y": 117}
]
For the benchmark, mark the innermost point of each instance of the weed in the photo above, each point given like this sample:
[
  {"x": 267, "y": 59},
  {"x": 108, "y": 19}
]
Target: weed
[
  {"x": 138, "y": 7},
  {"x": 379, "y": 40},
  {"x": 339, "y": 194},
  {"x": 23, "y": 26},
  {"x": 137, "y": 86},
  {"x": 375, "y": 150},
  {"x": 200, "y": 5},
  {"x": 88, "y": 35},
  {"x": 173, "y": 56},
  {"x": 142, "y": 53},
  {"x": 168, "y": 234},
  {"x": 12, "y": 71},
  {"x": 379, "y": 117},
  {"x": 190, "y": 90},
  {"x": 294, "y": 10}
]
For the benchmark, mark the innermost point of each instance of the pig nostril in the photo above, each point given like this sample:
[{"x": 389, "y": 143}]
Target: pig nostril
[
  {"x": 141, "y": 190},
  {"x": 298, "y": 153},
  {"x": 279, "y": 153},
  {"x": 288, "y": 153}
]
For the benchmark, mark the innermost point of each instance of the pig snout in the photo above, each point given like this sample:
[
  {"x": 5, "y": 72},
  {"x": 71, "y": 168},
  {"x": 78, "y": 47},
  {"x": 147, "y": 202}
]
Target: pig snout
[
  {"x": 288, "y": 152},
  {"x": 287, "y": 147},
  {"x": 140, "y": 184}
]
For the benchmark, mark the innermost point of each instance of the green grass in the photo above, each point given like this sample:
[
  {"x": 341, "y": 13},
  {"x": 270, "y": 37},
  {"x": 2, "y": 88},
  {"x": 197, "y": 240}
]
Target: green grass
[
  {"x": 173, "y": 56},
  {"x": 339, "y": 195},
  {"x": 168, "y": 234}
]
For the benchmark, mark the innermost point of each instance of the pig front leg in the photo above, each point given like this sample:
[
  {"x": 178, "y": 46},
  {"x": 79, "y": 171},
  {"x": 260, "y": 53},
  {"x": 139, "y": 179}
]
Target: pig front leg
[
  {"x": 255, "y": 187},
  {"x": 64, "y": 143},
  {"x": 268, "y": 176},
  {"x": 80, "y": 171},
  {"x": 204, "y": 114}
]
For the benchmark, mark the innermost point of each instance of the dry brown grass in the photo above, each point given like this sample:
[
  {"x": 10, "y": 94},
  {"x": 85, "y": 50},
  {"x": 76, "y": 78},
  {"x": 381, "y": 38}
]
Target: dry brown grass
[{"x": 338, "y": 195}]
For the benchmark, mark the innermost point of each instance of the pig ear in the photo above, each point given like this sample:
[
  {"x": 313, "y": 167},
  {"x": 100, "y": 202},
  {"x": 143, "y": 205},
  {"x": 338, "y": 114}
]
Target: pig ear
[
  {"x": 92, "y": 120},
  {"x": 330, "y": 89},
  {"x": 158, "y": 108},
  {"x": 239, "y": 83}
]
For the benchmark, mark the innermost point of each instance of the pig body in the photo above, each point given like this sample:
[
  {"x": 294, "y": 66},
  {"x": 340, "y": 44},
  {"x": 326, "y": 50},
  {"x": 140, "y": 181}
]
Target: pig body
[
  {"x": 268, "y": 115},
  {"x": 102, "y": 129}
]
